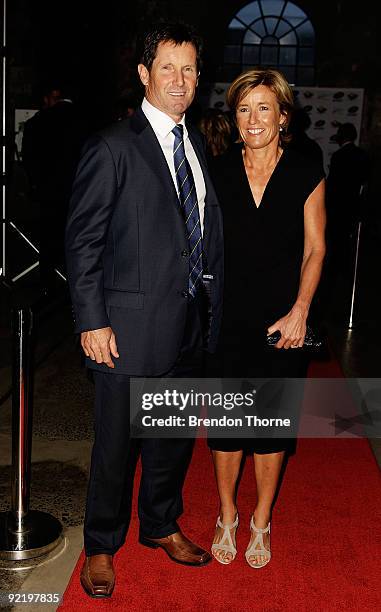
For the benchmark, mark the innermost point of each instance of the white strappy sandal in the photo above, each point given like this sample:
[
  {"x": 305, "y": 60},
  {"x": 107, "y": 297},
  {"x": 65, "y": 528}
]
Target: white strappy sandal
[
  {"x": 253, "y": 551},
  {"x": 227, "y": 542}
]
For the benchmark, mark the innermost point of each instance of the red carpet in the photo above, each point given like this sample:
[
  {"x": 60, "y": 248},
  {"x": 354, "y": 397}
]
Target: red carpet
[{"x": 325, "y": 542}]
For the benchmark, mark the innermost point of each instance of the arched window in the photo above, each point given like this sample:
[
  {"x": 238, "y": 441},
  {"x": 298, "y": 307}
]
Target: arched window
[{"x": 274, "y": 33}]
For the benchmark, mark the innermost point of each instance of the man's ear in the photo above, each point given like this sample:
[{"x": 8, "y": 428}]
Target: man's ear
[{"x": 143, "y": 74}]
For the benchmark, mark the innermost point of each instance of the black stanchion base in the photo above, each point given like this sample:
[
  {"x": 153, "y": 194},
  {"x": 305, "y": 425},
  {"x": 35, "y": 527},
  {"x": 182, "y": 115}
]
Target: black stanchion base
[{"x": 41, "y": 534}]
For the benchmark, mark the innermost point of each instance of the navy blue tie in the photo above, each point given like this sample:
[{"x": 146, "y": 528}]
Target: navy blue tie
[{"x": 189, "y": 206}]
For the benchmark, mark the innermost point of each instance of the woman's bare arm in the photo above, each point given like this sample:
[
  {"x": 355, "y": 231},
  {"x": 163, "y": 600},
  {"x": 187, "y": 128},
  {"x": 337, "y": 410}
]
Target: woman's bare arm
[{"x": 293, "y": 325}]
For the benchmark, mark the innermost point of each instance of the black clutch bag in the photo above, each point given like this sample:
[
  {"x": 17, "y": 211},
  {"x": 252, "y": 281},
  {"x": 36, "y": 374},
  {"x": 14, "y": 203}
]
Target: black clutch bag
[{"x": 311, "y": 341}]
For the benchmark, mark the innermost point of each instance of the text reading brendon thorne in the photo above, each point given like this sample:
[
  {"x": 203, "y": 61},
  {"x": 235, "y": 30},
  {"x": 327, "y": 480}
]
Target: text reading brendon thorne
[{"x": 174, "y": 410}]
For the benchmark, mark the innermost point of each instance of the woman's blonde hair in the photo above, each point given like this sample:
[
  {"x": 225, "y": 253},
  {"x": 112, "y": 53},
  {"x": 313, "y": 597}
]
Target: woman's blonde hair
[{"x": 271, "y": 78}]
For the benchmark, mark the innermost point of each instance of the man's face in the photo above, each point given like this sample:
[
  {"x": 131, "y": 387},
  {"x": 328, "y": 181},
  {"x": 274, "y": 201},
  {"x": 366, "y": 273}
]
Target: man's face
[
  {"x": 52, "y": 98},
  {"x": 171, "y": 83}
]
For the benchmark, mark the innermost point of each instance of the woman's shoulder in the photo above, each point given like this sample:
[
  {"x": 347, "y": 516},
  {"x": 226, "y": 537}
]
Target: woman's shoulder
[
  {"x": 300, "y": 162},
  {"x": 302, "y": 171}
]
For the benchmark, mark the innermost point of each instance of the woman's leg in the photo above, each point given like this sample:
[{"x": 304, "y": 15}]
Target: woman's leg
[
  {"x": 226, "y": 467},
  {"x": 267, "y": 469},
  {"x": 268, "y": 459}
]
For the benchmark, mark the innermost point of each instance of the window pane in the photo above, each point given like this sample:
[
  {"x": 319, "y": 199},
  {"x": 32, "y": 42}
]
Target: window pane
[
  {"x": 236, "y": 24},
  {"x": 249, "y": 12},
  {"x": 289, "y": 73},
  {"x": 250, "y": 54},
  {"x": 294, "y": 11},
  {"x": 269, "y": 55},
  {"x": 283, "y": 28},
  {"x": 306, "y": 76},
  {"x": 289, "y": 39},
  {"x": 272, "y": 7},
  {"x": 295, "y": 21},
  {"x": 236, "y": 31},
  {"x": 269, "y": 40},
  {"x": 251, "y": 38},
  {"x": 306, "y": 56},
  {"x": 287, "y": 55},
  {"x": 259, "y": 27},
  {"x": 233, "y": 54},
  {"x": 235, "y": 36},
  {"x": 271, "y": 24},
  {"x": 305, "y": 34}
]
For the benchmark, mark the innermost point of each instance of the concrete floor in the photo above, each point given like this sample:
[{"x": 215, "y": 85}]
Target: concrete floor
[{"x": 63, "y": 425}]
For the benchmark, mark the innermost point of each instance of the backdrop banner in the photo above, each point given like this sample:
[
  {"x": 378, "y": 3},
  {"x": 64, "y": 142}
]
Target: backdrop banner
[{"x": 327, "y": 107}]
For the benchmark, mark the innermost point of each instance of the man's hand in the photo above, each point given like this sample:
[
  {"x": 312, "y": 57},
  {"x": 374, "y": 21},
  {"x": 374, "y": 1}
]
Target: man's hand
[{"x": 99, "y": 345}]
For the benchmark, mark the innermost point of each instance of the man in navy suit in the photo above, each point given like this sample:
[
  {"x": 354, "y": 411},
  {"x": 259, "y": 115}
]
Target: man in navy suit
[
  {"x": 348, "y": 174},
  {"x": 137, "y": 260}
]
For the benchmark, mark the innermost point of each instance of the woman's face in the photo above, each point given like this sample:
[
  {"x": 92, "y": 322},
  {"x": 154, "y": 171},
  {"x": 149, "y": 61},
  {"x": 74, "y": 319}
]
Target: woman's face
[{"x": 258, "y": 118}]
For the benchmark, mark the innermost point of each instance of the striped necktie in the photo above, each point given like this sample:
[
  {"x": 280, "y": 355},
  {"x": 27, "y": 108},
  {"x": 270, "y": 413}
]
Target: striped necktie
[{"x": 189, "y": 206}]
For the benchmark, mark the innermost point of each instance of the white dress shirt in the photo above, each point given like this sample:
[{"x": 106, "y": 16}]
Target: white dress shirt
[{"x": 163, "y": 125}]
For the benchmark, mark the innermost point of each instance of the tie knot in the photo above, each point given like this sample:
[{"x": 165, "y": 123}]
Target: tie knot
[{"x": 178, "y": 131}]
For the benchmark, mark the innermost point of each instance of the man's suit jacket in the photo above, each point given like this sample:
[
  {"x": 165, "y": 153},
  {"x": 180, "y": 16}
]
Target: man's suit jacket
[
  {"x": 127, "y": 247},
  {"x": 349, "y": 170}
]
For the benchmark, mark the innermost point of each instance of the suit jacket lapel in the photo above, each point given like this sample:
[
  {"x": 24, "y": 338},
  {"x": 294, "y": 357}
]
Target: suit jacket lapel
[{"x": 153, "y": 154}]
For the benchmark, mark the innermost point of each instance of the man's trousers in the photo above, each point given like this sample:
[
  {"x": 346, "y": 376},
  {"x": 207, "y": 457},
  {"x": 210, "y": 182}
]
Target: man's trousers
[{"x": 114, "y": 456}]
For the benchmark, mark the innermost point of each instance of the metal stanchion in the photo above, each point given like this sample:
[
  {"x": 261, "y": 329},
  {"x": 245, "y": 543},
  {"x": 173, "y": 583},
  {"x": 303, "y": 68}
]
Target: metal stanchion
[
  {"x": 24, "y": 533},
  {"x": 354, "y": 284},
  {"x": 3, "y": 279}
]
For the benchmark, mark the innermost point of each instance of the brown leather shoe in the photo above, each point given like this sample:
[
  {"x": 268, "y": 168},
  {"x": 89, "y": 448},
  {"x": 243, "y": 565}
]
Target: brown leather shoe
[
  {"x": 179, "y": 549},
  {"x": 98, "y": 576}
]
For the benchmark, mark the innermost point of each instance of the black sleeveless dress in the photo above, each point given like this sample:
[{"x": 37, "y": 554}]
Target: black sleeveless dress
[{"x": 263, "y": 258}]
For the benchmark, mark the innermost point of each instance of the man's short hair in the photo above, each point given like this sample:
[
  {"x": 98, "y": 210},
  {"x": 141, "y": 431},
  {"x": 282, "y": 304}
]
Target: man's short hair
[{"x": 176, "y": 32}]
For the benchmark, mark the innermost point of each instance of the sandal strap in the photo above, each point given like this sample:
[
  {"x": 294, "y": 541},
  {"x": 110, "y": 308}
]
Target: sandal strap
[
  {"x": 259, "y": 529},
  {"x": 227, "y": 526},
  {"x": 225, "y": 547},
  {"x": 226, "y": 543},
  {"x": 258, "y": 553},
  {"x": 252, "y": 550}
]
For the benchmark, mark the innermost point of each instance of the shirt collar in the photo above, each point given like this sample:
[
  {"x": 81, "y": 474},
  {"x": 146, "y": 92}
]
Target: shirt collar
[{"x": 161, "y": 123}]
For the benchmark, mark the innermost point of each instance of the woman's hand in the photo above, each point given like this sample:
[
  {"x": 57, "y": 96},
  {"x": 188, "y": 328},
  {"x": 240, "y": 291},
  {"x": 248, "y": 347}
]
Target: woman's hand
[{"x": 292, "y": 328}]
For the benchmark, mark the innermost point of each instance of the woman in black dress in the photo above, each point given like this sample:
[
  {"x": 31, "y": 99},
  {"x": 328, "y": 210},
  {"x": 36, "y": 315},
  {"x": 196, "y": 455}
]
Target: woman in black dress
[{"x": 272, "y": 200}]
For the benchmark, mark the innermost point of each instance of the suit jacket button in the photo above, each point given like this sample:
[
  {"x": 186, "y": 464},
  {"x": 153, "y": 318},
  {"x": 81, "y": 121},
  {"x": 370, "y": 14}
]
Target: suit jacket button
[
  {"x": 184, "y": 294},
  {"x": 184, "y": 253}
]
